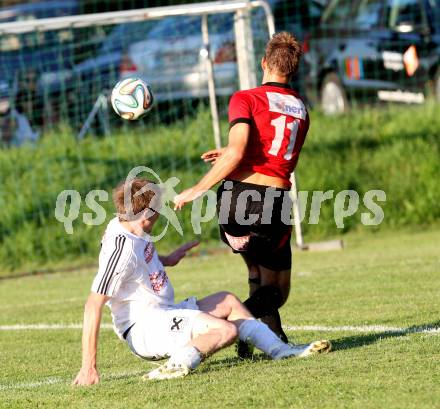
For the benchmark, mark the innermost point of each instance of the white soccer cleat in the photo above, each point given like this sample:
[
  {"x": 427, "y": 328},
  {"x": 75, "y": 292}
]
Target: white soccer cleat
[
  {"x": 304, "y": 350},
  {"x": 167, "y": 371}
]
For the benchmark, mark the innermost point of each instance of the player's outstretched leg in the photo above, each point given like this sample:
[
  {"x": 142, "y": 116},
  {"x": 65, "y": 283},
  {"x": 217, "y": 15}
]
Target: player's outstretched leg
[
  {"x": 228, "y": 306},
  {"x": 188, "y": 358},
  {"x": 224, "y": 318},
  {"x": 260, "y": 335}
]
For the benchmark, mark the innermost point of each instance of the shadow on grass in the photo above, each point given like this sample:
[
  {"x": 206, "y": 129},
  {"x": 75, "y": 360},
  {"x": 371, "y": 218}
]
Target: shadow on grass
[
  {"x": 212, "y": 364},
  {"x": 357, "y": 341}
]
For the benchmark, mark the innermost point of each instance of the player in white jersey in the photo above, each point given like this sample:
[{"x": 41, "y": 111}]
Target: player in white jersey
[{"x": 132, "y": 281}]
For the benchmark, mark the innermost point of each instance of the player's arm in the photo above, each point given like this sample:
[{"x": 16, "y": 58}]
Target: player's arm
[
  {"x": 173, "y": 258},
  {"x": 230, "y": 158},
  {"x": 88, "y": 374},
  {"x": 224, "y": 165}
]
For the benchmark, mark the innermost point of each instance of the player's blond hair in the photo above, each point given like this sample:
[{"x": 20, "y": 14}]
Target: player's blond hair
[
  {"x": 124, "y": 196},
  {"x": 283, "y": 54}
]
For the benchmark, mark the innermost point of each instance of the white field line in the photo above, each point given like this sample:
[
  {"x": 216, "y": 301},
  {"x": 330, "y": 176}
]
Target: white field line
[
  {"x": 43, "y": 303},
  {"x": 364, "y": 329},
  {"x": 55, "y": 381},
  {"x": 317, "y": 328},
  {"x": 27, "y": 327},
  {"x": 31, "y": 385}
]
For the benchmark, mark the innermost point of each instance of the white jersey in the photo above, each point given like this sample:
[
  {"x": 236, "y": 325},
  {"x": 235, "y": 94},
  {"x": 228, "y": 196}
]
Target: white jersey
[{"x": 131, "y": 273}]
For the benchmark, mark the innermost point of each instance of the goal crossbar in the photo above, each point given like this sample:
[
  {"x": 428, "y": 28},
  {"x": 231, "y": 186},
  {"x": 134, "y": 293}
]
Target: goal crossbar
[{"x": 117, "y": 17}]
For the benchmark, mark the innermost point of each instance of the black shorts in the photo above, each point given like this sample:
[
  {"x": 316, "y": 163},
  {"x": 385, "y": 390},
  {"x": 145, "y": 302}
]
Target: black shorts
[{"x": 251, "y": 222}]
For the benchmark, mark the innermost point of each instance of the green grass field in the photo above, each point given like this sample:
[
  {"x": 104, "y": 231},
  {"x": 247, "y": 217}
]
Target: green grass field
[{"x": 389, "y": 280}]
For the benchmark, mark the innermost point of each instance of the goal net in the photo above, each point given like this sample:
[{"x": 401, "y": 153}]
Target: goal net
[{"x": 55, "y": 78}]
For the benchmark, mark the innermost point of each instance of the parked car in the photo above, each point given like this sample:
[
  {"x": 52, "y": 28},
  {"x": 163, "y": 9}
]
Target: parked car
[
  {"x": 172, "y": 59},
  {"x": 374, "y": 50},
  {"x": 27, "y": 58},
  {"x": 167, "y": 53}
]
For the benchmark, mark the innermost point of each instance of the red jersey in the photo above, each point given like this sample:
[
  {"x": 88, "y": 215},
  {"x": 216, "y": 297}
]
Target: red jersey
[{"x": 278, "y": 121}]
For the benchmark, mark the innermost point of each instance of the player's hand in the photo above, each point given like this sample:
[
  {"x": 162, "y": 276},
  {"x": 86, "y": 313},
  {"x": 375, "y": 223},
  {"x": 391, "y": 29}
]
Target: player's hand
[
  {"x": 213, "y": 156},
  {"x": 186, "y": 196},
  {"x": 86, "y": 376},
  {"x": 177, "y": 255}
]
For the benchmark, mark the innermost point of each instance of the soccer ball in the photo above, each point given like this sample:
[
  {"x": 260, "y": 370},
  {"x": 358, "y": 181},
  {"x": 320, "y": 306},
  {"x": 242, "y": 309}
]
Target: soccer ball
[{"x": 131, "y": 98}]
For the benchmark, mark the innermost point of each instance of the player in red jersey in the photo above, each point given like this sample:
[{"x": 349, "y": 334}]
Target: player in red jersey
[{"x": 268, "y": 126}]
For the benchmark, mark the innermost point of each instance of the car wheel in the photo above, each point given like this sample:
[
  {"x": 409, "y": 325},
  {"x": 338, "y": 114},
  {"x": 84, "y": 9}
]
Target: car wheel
[{"x": 333, "y": 98}]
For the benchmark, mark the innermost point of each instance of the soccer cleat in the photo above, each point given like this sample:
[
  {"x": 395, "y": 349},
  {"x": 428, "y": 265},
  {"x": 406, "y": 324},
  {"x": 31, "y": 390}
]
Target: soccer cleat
[
  {"x": 245, "y": 350},
  {"x": 304, "y": 350},
  {"x": 167, "y": 371}
]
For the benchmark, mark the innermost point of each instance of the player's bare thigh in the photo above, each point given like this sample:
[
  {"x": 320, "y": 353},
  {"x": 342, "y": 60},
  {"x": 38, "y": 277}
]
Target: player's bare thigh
[
  {"x": 205, "y": 323},
  {"x": 209, "y": 334}
]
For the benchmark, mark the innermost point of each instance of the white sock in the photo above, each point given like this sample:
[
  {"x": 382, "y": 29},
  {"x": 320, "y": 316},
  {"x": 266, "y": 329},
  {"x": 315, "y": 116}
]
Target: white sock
[
  {"x": 260, "y": 335},
  {"x": 188, "y": 356}
]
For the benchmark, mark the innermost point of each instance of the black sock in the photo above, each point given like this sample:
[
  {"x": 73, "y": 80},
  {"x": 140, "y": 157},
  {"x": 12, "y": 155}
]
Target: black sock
[
  {"x": 273, "y": 321},
  {"x": 264, "y": 301}
]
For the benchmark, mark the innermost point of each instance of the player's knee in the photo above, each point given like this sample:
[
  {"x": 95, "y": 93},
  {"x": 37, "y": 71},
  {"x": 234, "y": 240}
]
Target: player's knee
[
  {"x": 233, "y": 299},
  {"x": 230, "y": 299},
  {"x": 265, "y": 301}
]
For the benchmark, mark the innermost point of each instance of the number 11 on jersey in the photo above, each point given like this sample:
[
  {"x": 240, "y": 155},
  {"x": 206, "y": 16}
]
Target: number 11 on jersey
[{"x": 280, "y": 127}]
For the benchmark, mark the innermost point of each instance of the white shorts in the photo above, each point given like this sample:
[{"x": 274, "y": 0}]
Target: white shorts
[{"x": 162, "y": 331}]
